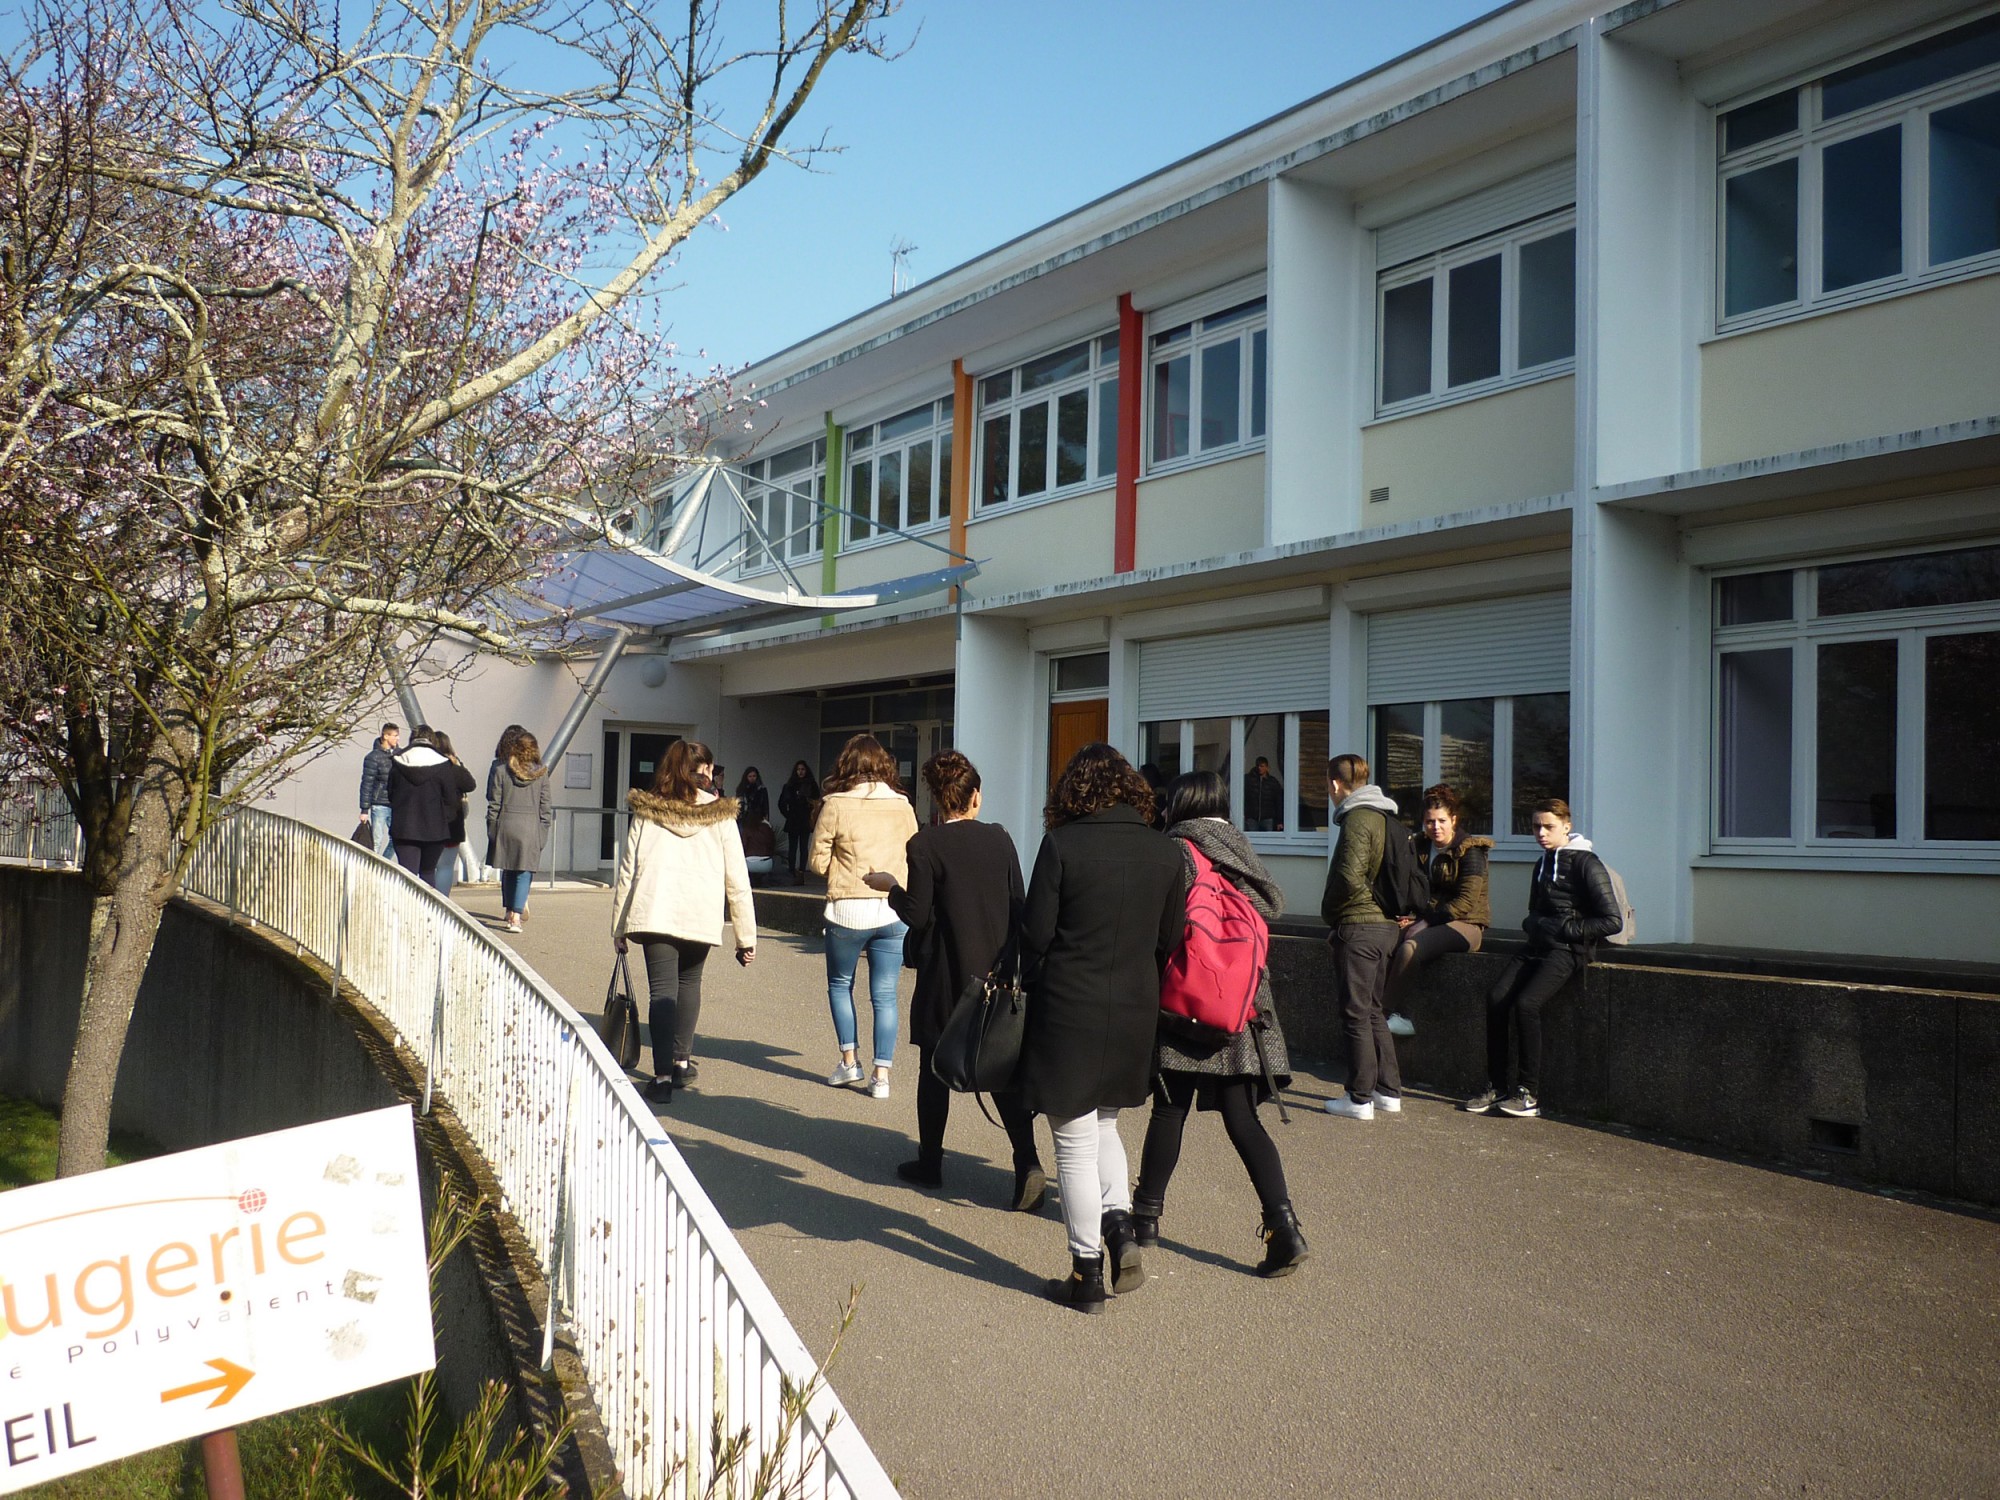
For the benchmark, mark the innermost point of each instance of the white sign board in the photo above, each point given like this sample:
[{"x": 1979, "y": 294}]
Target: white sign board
[{"x": 182, "y": 1295}]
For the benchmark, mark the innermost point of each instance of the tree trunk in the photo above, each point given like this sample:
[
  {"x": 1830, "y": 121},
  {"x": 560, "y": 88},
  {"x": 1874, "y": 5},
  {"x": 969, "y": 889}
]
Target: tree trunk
[{"x": 123, "y": 924}]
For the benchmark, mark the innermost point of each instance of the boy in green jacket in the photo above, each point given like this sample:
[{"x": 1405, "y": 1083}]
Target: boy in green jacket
[{"x": 1364, "y": 939}]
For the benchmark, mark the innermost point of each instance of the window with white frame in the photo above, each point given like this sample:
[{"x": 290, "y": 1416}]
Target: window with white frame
[
  {"x": 1049, "y": 426},
  {"x": 785, "y": 492},
  {"x": 899, "y": 472},
  {"x": 1208, "y": 384},
  {"x": 1855, "y": 706},
  {"x": 1478, "y": 317},
  {"x": 1280, "y": 794},
  {"x": 1879, "y": 177},
  {"x": 1508, "y": 752}
]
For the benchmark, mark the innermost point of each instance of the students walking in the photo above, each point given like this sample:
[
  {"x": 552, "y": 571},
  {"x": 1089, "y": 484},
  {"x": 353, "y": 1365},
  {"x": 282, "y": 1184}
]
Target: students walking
[
  {"x": 1106, "y": 905},
  {"x": 519, "y": 814},
  {"x": 797, "y": 799},
  {"x": 1570, "y": 907},
  {"x": 962, "y": 903},
  {"x": 1458, "y": 915},
  {"x": 1364, "y": 938},
  {"x": 680, "y": 866},
  {"x": 1229, "y": 1077},
  {"x": 864, "y": 825},
  {"x": 425, "y": 788}
]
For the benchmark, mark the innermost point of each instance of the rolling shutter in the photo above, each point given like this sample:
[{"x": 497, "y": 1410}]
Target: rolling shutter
[
  {"x": 1490, "y": 648},
  {"x": 1277, "y": 669},
  {"x": 1488, "y": 211}
]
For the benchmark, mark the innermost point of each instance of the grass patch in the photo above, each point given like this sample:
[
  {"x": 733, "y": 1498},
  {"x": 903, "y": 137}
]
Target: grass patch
[{"x": 277, "y": 1451}]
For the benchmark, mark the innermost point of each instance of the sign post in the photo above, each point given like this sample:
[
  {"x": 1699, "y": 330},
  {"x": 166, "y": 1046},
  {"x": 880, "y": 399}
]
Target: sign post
[{"x": 183, "y": 1296}]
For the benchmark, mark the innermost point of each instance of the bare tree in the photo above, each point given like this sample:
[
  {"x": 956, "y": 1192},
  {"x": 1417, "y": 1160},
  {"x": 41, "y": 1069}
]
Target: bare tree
[{"x": 321, "y": 331}]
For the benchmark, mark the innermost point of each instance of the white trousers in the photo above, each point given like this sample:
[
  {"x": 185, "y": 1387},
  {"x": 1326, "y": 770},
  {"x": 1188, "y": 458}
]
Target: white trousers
[{"x": 1092, "y": 1176}]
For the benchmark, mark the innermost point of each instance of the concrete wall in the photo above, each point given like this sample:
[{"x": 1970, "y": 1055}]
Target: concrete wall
[
  {"x": 1057, "y": 541},
  {"x": 234, "y": 1037},
  {"x": 1514, "y": 445},
  {"x": 1821, "y": 380},
  {"x": 918, "y": 649},
  {"x": 1206, "y": 512},
  {"x": 1742, "y": 1063},
  {"x": 1893, "y": 913}
]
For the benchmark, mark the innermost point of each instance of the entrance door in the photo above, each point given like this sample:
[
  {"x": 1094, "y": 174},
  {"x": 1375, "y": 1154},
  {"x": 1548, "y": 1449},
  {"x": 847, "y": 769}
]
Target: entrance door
[
  {"x": 631, "y": 756},
  {"x": 1072, "y": 725}
]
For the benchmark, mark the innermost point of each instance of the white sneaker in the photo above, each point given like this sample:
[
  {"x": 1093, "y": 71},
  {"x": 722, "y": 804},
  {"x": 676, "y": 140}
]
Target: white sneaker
[
  {"x": 846, "y": 1073},
  {"x": 878, "y": 1087},
  {"x": 1402, "y": 1025},
  {"x": 1351, "y": 1109},
  {"x": 1389, "y": 1104}
]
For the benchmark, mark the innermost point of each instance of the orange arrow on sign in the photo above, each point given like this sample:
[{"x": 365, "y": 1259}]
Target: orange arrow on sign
[{"x": 232, "y": 1379}]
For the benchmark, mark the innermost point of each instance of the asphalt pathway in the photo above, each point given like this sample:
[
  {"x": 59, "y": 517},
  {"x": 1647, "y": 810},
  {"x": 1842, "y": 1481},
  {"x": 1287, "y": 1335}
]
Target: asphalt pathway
[{"x": 1492, "y": 1307}]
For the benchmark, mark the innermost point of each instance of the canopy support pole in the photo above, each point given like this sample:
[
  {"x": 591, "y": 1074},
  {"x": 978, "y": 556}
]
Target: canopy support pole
[
  {"x": 405, "y": 694},
  {"x": 600, "y": 673}
]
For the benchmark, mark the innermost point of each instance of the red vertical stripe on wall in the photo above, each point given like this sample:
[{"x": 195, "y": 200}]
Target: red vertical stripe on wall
[{"x": 1131, "y": 378}]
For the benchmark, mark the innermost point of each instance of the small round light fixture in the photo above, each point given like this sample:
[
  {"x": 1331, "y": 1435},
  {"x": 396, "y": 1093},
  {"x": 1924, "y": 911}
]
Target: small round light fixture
[{"x": 654, "y": 672}]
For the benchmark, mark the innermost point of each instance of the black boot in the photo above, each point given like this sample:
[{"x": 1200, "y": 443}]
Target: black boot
[
  {"x": 1146, "y": 1221},
  {"x": 924, "y": 1172},
  {"x": 1030, "y": 1187},
  {"x": 1285, "y": 1243},
  {"x": 1083, "y": 1288},
  {"x": 1121, "y": 1252}
]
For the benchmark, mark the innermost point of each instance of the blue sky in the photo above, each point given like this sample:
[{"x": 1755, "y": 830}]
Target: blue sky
[{"x": 1047, "y": 103}]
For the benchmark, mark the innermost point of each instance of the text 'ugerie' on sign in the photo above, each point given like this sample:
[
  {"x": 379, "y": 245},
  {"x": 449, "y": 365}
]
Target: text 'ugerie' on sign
[{"x": 178, "y": 1296}]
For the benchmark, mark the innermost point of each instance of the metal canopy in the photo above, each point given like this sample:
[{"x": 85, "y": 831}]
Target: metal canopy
[{"x": 637, "y": 587}]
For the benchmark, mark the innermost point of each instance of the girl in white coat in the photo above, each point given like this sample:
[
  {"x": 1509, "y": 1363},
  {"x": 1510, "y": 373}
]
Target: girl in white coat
[{"x": 681, "y": 864}]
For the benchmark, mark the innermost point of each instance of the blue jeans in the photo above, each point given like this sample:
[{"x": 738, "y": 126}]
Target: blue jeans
[
  {"x": 514, "y": 889},
  {"x": 378, "y": 825},
  {"x": 884, "y": 947},
  {"x": 447, "y": 870}
]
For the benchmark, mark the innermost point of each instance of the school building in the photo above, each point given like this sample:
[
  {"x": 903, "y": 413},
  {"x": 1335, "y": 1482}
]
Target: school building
[{"x": 1601, "y": 403}]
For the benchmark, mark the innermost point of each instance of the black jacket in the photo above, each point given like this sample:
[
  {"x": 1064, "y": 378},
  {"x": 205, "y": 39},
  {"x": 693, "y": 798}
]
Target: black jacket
[
  {"x": 1571, "y": 903},
  {"x": 425, "y": 795},
  {"x": 963, "y": 903},
  {"x": 795, "y": 803},
  {"x": 753, "y": 803},
  {"x": 375, "y": 776},
  {"x": 1106, "y": 907}
]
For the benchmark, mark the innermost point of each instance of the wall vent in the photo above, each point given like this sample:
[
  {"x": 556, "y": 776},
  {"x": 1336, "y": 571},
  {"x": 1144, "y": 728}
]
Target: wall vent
[
  {"x": 1378, "y": 495},
  {"x": 1834, "y": 1135}
]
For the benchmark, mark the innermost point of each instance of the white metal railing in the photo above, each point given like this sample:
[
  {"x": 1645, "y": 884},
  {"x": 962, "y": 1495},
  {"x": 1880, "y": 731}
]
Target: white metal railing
[
  {"x": 672, "y": 1322},
  {"x": 36, "y": 825}
]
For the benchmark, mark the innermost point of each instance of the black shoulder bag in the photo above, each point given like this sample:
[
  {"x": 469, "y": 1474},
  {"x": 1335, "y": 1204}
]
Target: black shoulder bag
[
  {"x": 620, "y": 1026},
  {"x": 980, "y": 1047}
]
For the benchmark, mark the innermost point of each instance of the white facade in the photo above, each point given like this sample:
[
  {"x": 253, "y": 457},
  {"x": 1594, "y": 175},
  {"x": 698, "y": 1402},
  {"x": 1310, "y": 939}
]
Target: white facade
[{"x": 1464, "y": 391}]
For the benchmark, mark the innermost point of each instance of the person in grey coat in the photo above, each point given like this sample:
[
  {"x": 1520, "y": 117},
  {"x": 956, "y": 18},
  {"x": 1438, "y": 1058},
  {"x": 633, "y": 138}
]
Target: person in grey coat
[
  {"x": 519, "y": 814},
  {"x": 1230, "y": 1077}
]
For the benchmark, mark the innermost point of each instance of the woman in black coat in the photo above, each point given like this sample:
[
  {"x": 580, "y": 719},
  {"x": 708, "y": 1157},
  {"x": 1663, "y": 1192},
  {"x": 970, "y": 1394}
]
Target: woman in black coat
[
  {"x": 753, "y": 798},
  {"x": 963, "y": 907},
  {"x": 1106, "y": 906},
  {"x": 796, "y": 800},
  {"x": 425, "y": 793}
]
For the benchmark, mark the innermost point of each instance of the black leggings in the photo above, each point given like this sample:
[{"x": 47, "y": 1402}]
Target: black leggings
[
  {"x": 797, "y": 836},
  {"x": 673, "y": 986},
  {"x": 420, "y": 857},
  {"x": 934, "y": 1108},
  {"x": 1235, "y": 1099}
]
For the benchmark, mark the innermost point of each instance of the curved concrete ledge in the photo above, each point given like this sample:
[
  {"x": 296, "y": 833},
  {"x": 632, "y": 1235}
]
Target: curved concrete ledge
[{"x": 236, "y": 1034}]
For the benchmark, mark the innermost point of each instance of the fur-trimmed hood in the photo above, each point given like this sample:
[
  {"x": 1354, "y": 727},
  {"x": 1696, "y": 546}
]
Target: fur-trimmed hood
[{"x": 683, "y": 818}]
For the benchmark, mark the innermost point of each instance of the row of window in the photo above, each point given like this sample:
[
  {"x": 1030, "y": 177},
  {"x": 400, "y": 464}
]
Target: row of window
[{"x": 1878, "y": 176}]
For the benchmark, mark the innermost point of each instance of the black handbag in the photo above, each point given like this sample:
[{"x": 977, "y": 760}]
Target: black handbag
[
  {"x": 620, "y": 1026},
  {"x": 980, "y": 1047}
]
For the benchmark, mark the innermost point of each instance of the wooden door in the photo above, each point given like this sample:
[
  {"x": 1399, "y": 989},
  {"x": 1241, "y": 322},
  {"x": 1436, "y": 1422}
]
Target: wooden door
[{"x": 1072, "y": 726}]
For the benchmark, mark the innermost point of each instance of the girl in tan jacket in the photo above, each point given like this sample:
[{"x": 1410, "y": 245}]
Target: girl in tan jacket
[
  {"x": 681, "y": 863},
  {"x": 864, "y": 826}
]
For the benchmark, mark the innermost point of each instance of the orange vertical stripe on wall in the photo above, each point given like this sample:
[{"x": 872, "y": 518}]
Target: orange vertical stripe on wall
[
  {"x": 961, "y": 457},
  {"x": 1131, "y": 375}
]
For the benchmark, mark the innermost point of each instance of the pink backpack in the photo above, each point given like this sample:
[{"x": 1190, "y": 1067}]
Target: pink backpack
[{"x": 1209, "y": 989}]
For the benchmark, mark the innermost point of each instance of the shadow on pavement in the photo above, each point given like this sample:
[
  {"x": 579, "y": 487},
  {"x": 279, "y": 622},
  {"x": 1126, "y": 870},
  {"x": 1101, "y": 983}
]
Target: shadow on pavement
[
  {"x": 758, "y": 1055},
  {"x": 753, "y": 1192}
]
